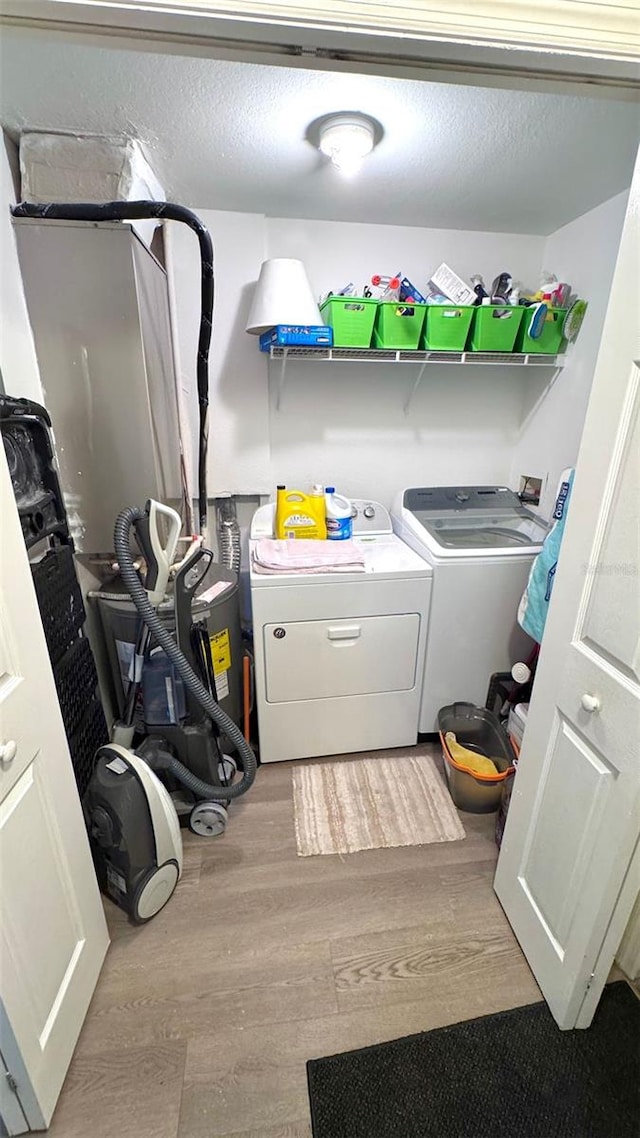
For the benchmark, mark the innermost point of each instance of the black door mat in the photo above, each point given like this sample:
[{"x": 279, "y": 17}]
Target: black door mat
[{"x": 510, "y": 1075}]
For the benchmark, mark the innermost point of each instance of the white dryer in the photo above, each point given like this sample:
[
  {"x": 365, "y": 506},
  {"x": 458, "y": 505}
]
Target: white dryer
[
  {"x": 480, "y": 542},
  {"x": 339, "y": 657}
]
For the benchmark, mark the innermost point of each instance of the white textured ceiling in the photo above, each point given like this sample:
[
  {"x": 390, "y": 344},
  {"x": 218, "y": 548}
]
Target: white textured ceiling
[{"x": 228, "y": 135}]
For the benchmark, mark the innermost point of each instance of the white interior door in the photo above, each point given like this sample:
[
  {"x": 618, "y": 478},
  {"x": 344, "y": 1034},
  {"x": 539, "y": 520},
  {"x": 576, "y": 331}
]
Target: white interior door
[
  {"x": 53, "y": 935},
  {"x": 565, "y": 871}
]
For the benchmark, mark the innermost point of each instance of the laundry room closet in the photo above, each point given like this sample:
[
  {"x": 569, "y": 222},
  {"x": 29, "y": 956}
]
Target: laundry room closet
[{"x": 399, "y": 931}]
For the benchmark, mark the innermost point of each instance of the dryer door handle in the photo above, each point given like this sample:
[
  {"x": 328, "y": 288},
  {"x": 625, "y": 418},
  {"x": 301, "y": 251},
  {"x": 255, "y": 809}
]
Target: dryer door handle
[{"x": 344, "y": 632}]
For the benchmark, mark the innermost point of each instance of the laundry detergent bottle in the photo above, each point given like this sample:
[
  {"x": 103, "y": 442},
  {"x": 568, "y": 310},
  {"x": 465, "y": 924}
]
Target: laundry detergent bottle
[
  {"x": 338, "y": 511},
  {"x": 299, "y": 514}
]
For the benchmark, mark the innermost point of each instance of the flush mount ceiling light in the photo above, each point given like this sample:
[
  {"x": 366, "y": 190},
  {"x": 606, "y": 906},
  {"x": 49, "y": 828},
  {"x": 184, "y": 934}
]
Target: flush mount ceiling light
[{"x": 347, "y": 138}]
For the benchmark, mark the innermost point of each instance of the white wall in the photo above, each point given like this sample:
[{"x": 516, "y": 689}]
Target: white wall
[
  {"x": 583, "y": 253},
  {"x": 18, "y": 361},
  {"x": 345, "y": 423}
]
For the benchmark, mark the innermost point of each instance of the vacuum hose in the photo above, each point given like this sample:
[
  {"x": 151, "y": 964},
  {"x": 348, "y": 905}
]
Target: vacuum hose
[{"x": 138, "y": 594}]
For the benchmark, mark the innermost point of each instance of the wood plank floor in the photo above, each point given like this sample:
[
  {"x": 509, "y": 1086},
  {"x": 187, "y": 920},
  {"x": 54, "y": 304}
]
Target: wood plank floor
[{"x": 203, "y": 1020}]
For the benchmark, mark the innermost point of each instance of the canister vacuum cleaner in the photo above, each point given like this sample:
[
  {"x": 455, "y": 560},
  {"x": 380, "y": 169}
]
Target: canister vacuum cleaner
[{"x": 134, "y": 798}]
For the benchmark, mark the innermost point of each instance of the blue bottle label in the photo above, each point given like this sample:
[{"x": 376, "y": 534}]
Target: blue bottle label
[{"x": 338, "y": 529}]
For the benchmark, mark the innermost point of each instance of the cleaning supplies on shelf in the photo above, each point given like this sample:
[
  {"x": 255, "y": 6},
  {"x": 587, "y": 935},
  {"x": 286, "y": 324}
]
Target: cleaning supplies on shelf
[
  {"x": 445, "y": 281},
  {"x": 573, "y": 320},
  {"x": 388, "y": 287},
  {"x": 501, "y": 288},
  {"x": 338, "y": 515},
  {"x": 536, "y": 320},
  {"x": 390, "y": 313},
  {"x": 410, "y": 293},
  {"x": 300, "y": 515},
  {"x": 477, "y": 284}
]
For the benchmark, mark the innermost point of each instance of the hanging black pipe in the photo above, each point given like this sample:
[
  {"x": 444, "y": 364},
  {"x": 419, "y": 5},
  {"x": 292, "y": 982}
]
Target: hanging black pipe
[{"x": 135, "y": 211}]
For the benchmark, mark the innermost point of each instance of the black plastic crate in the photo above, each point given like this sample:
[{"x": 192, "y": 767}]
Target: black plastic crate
[
  {"x": 76, "y": 682},
  {"x": 28, "y": 445},
  {"x": 59, "y": 599},
  {"x": 91, "y": 734}
]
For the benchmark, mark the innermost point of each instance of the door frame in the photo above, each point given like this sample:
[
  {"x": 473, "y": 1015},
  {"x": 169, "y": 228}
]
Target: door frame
[
  {"x": 14, "y": 1063},
  {"x": 612, "y": 938},
  {"x": 580, "y": 47}
]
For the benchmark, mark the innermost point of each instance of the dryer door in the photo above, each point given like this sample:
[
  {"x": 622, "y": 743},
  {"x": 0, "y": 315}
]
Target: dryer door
[{"x": 319, "y": 659}]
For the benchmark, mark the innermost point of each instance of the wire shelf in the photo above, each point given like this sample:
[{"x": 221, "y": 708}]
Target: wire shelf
[{"x": 417, "y": 357}]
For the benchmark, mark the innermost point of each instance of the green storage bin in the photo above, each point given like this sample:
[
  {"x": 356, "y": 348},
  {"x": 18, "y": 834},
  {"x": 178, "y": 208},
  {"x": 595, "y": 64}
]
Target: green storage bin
[
  {"x": 398, "y": 325},
  {"x": 351, "y": 318},
  {"x": 549, "y": 343},
  {"x": 446, "y": 327},
  {"x": 495, "y": 327}
]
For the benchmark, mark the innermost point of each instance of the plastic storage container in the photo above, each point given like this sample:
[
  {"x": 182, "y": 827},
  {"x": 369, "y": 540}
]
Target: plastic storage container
[
  {"x": 446, "y": 327},
  {"x": 398, "y": 325},
  {"x": 351, "y": 318},
  {"x": 495, "y": 326},
  {"x": 516, "y": 723},
  {"x": 479, "y": 730},
  {"x": 550, "y": 341}
]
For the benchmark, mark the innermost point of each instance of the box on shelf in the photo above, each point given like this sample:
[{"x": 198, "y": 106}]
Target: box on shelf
[
  {"x": 398, "y": 326},
  {"x": 446, "y": 327},
  {"x": 550, "y": 340},
  {"x": 299, "y": 336},
  {"x": 447, "y": 282},
  {"x": 494, "y": 327},
  {"x": 351, "y": 318}
]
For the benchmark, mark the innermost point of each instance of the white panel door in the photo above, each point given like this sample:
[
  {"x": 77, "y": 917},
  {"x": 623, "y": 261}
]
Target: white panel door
[
  {"x": 564, "y": 871},
  {"x": 53, "y": 935}
]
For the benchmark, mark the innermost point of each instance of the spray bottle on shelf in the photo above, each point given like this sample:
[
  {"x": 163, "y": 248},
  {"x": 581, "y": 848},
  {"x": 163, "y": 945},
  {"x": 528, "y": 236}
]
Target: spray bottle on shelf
[
  {"x": 299, "y": 514},
  {"x": 477, "y": 285},
  {"x": 338, "y": 513},
  {"x": 501, "y": 288}
]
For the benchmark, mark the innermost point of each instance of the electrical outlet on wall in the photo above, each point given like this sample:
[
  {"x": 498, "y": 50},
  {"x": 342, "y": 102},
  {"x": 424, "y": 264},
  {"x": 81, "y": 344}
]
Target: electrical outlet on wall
[{"x": 530, "y": 489}]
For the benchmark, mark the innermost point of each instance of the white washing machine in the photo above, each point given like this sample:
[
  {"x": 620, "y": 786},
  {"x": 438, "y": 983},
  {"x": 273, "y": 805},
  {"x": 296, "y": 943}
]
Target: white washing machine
[
  {"x": 339, "y": 657},
  {"x": 480, "y": 542}
]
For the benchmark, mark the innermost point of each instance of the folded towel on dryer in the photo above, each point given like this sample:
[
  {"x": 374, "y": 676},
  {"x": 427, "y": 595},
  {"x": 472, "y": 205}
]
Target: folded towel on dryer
[{"x": 304, "y": 556}]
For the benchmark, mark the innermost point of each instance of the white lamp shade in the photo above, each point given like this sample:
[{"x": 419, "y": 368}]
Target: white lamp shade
[{"x": 283, "y": 296}]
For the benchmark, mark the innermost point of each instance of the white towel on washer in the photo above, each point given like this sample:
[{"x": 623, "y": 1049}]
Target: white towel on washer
[{"x": 304, "y": 556}]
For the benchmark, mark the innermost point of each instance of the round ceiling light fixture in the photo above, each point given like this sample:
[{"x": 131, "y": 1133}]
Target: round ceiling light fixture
[{"x": 347, "y": 138}]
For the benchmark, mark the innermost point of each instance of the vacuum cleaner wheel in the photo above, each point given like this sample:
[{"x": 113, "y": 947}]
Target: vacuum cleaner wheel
[
  {"x": 154, "y": 891},
  {"x": 227, "y": 769},
  {"x": 208, "y": 819}
]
